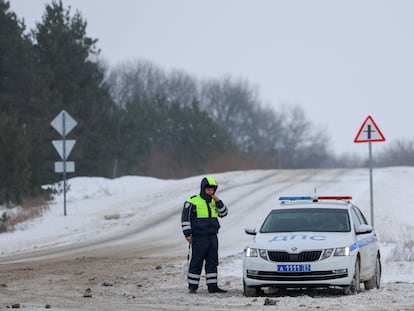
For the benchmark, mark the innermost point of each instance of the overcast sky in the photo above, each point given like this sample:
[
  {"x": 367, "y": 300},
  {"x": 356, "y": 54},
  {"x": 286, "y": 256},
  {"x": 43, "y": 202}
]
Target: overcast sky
[{"x": 339, "y": 60}]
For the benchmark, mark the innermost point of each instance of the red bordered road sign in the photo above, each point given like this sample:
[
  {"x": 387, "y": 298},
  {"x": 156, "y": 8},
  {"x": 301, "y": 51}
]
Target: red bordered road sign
[{"x": 369, "y": 132}]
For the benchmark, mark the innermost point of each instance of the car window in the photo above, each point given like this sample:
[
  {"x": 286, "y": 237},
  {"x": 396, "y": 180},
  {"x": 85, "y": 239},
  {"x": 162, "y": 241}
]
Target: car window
[
  {"x": 359, "y": 218},
  {"x": 355, "y": 218},
  {"x": 307, "y": 219}
]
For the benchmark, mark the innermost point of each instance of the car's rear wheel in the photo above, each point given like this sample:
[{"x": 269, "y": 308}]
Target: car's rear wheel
[
  {"x": 355, "y": 286},
  {"x": 375, "y": 281},
  {"x": 250, "y": 291}
]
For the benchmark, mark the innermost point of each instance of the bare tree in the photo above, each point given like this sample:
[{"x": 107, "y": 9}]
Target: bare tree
[
  {"x": 134, "y": 80},
  {"x": 142, "y": 79},
  {"x": 181, "y": 88},
  {"x": 399, "y": 153},
  {"x": 234, "y": 104},
  {"x": 303, "y": 145},
  {"x": 261, "y": 134}
]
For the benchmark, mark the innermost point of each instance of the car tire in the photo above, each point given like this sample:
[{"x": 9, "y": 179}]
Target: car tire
[
  {"x": 355, "y": 285},
  {"x": 250, "y": 291},
  {"x": 375, "y": 281}
]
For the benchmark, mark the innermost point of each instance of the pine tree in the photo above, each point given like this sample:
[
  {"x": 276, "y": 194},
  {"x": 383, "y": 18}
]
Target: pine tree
[
  {"x": 15, "y": 89},
  {"x": 74, "y": 79},
  {"x": 14, "y": 161}
]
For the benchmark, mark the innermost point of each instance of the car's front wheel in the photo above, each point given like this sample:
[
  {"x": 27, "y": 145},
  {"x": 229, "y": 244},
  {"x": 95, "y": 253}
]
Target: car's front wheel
[
  {"x": 250, "y": 291},
  {"x": 375, "y": 281},
  {"x": 354, "y": 287}
]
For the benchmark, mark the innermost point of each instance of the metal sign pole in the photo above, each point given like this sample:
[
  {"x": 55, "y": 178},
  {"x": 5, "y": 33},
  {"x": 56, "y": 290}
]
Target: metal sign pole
[
  {"x": 63, "y": 124},
  {"x": 64, "y": 161},
  {"x": 371, "y": 191}
]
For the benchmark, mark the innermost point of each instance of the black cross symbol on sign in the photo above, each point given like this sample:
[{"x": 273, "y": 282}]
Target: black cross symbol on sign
[{"x": 369, "y": 131}]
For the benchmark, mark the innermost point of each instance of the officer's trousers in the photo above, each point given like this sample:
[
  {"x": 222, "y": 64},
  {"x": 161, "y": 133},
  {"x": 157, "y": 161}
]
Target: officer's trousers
[{"x": 204, "y": 248}]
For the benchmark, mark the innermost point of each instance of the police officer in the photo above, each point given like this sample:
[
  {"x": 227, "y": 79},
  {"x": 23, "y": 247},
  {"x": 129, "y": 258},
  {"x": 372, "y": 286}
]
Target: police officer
[{"x": 200, "y": 227}]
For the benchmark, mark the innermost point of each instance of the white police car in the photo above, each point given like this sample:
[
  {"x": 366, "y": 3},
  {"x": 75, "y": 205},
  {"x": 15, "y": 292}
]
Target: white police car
[{"x": 312, "y": 242}]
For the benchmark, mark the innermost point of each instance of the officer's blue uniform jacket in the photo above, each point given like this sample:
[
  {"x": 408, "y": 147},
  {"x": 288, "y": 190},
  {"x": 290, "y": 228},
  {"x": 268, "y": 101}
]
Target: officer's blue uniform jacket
[{"x": 200, "y": 213}]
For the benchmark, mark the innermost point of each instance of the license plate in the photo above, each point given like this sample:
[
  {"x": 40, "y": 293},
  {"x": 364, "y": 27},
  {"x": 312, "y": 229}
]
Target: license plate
[{"x": 294, "y": 268}]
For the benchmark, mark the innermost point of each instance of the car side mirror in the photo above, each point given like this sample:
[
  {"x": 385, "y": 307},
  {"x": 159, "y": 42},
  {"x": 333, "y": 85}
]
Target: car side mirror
[
  {"x": 250, "y": 231},
  {"x": 364, "y": 229}
]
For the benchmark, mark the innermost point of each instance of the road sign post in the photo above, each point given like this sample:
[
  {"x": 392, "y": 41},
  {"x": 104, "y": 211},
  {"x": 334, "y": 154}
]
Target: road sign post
[
  {"x": 63, "y": 124},
  {"x": 368, "y": 133}
]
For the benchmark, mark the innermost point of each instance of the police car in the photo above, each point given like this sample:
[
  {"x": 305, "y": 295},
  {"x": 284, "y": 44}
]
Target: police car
[{"x": 310, "y": 241}]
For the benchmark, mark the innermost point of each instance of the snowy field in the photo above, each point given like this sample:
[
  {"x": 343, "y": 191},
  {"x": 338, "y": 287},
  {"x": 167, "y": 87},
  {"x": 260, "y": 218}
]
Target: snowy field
[{"x": 145, "y": 212}]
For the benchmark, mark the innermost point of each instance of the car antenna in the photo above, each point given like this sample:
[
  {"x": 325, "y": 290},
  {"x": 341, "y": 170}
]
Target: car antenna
[{"x": 314, "y": 186}]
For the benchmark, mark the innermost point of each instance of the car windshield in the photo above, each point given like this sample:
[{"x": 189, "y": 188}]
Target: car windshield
[{"x": 307, "y": 219}]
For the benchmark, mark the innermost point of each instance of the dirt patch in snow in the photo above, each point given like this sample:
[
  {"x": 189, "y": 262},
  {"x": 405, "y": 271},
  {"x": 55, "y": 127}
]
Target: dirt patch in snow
[{"x": 137, "y": 282}]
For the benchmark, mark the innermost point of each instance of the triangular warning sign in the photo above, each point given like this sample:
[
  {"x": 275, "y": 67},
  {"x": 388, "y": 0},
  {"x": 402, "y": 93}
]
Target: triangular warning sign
[
  {"x": 369, "y": 132},
  {"x": 69, "y": 143}
]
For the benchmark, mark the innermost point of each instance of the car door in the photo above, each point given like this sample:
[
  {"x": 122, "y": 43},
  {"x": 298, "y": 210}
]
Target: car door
[{"x": 366, "y": 243}]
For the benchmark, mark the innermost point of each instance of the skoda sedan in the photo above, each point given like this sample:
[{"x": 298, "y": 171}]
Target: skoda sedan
[{"x": 307, "y": 241}]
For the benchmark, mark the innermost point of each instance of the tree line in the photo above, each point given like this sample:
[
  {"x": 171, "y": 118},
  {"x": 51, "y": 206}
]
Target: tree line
[{"x": 134, "y": 119}]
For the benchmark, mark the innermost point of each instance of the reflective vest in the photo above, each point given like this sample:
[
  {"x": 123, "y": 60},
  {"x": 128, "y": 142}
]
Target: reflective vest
[{"x": 204, "y": 209}]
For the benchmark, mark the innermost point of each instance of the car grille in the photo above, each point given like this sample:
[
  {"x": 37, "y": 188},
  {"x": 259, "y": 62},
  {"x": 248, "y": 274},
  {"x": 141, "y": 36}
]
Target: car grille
[
  {"x": 287, "y": 257},
  {"x": 296, "y": 276}
]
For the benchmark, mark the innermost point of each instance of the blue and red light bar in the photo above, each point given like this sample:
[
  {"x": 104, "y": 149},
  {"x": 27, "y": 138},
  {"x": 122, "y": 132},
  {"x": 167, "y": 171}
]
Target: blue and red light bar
[{"x": 317, "y": 198}]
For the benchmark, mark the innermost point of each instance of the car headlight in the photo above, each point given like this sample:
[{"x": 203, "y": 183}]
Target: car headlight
[
  {"x": 342, "y": 251},
  {"x": 255, "y": 252},
  {"x": 327, "y": 253},
  {"x": 263, "y": 254},
  {"x": 251, "y": 252}
]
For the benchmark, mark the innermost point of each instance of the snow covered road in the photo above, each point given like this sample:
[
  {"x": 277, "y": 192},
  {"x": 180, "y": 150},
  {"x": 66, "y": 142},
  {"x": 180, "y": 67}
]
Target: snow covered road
[{"x": 142, "y": 253}]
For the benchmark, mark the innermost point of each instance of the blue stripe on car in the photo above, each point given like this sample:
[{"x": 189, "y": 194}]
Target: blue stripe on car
[{"x": 363, "y": 242}]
